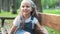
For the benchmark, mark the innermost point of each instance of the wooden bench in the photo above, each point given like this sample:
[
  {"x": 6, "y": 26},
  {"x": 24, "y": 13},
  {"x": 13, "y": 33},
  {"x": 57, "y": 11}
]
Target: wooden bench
[
  {"x": 3, "y": 30},
  {"x": 4, "y": 18},
  {"x": 51, "y": 20}
]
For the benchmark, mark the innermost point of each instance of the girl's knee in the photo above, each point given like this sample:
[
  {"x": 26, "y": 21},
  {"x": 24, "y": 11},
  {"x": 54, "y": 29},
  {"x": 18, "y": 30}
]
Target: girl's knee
[{"x": 27, "y": 33}]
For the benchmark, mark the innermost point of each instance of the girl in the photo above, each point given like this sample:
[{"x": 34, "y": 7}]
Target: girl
[{"x": 24, "y": 23}]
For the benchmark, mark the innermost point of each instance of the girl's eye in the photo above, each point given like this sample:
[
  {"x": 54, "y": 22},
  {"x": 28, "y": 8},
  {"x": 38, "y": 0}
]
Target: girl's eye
[
  {"x": 22, "y": 6},
  {"x": 27, "y": 6}
]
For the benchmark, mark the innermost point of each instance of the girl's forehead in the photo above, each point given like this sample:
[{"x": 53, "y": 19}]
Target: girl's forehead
[{"x": 25, "y": 2}]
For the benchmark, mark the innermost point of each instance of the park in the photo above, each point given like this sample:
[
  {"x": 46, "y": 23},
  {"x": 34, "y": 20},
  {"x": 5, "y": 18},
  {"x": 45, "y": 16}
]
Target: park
[{"x": 48, "y": 11}]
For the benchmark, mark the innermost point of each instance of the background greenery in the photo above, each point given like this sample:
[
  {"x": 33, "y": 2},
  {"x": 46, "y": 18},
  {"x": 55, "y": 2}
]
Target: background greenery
[
  {"x": 49, "y": 6},
  {"x": 8, "y": 23}
]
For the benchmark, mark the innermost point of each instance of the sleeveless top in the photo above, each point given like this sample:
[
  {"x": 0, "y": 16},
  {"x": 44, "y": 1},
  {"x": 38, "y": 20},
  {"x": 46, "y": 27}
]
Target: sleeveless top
[
  {"x": 29, "y": 25},
  {"x": 17, "y": 21}
]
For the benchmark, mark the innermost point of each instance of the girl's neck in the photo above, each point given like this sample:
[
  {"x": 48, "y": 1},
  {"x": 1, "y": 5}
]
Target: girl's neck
[{"x": 26, "y": 16}]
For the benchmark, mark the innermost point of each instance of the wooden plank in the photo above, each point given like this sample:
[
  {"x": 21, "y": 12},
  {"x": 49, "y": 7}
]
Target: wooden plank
[
  {"x": 3, "y": 20},
  {"x": 7, "y": 17},
  {"x": 51, "y": 20}
]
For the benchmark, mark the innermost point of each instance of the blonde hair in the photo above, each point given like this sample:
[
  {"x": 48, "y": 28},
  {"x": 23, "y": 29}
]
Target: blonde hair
[
  {"x": 34, "y": 8},
  {"x": 33, "y": 13}
]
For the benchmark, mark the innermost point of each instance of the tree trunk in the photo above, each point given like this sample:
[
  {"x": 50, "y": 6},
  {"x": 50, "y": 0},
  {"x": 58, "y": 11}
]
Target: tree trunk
[
  {"x": 8, "y": 5},
  {"x": 39, "y": 7},
  {"x": 14, "y": 10},
  {"x": 39, "y": 17},
  {"x": 59, "y": 3},
  {"x": 38, "y": 4},
  {"x": 0, "y": 5},
  {"x": 5, "y": 5}
]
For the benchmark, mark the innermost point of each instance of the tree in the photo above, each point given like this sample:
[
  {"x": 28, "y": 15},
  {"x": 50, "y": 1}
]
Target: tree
[
  {"x": 39, "y": 7},
  {"x": 0, "y": 5},
  {"x": 38, "y": 3},
  {"x": 14, "y": 10},
  {"x": 15, "y": 5},
  {"x": 6, "y": 5}
]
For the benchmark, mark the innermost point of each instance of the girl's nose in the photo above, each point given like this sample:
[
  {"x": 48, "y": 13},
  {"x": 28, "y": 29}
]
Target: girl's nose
[{"x": 25, "y": 8}]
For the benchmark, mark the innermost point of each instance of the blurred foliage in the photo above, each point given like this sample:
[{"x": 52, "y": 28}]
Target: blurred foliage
[
  {"x": 18, "y": 3},
  {"x": 51, "y": 11},
  {"x": 50, "y": 3},
  {"x": 7, "y": 14},
  {"x": 52, "y": 31}
]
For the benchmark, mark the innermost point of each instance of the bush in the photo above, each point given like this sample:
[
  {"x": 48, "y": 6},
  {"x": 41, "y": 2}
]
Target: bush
[{"x": 50, "y": 3}]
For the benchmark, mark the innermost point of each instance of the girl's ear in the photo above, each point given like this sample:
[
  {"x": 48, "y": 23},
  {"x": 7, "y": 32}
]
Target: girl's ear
[{"x": 31, "y": 9}]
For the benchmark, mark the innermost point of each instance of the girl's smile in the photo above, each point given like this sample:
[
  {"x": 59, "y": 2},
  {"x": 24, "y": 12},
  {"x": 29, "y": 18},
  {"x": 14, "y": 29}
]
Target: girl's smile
[{"x": 26, "y": 8}]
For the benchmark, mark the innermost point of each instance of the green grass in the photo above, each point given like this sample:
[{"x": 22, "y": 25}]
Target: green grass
[
  {"x": 7, "y": 14},
  {"x": 52, "y": 31},
  {"x": 48, "y": 11},
  {"x": 51, "y": 11}
]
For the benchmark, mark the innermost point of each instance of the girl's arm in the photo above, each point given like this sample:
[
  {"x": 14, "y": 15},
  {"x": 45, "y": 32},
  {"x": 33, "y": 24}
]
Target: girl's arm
[
  {"x": 13, "y": 29},
  {"x": 42, "y": 28}
]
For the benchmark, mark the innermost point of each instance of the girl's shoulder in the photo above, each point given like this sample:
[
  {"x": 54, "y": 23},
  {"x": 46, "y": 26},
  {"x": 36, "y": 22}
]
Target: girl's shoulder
[
  {"x": 35, "y": 20},
  {"x": 16, "y": 21}
]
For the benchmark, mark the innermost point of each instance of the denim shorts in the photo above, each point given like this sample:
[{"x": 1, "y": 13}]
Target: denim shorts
[{"x": 20, "y": 32}]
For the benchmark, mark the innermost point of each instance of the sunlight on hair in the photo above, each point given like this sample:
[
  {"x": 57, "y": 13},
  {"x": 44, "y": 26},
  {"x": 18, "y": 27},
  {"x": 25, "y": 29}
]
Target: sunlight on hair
[{"x": 33, "y": 4}]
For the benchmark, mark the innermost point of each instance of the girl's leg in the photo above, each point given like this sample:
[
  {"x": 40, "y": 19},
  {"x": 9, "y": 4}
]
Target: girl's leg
[{"x": 27, "y": 33}]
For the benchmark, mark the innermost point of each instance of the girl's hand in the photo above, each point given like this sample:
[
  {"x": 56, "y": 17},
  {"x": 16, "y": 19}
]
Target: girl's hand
[{"x": 42, "y": 28}]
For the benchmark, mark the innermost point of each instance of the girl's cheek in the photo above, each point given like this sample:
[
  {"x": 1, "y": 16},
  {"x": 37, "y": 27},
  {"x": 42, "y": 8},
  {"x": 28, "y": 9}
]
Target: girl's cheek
[{"x": 22, "y": 10}]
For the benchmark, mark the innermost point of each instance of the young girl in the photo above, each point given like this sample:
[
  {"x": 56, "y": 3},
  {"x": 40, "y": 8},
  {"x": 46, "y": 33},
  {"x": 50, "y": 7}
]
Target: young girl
[{"x": 24, "y": 23}]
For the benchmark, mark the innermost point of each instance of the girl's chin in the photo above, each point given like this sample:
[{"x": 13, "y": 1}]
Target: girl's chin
[{"x": 24, "y": 14}]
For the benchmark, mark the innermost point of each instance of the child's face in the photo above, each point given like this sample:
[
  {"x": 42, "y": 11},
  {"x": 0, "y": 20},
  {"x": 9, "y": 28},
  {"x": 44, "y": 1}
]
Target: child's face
[{"x": 26, "y": 8}]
